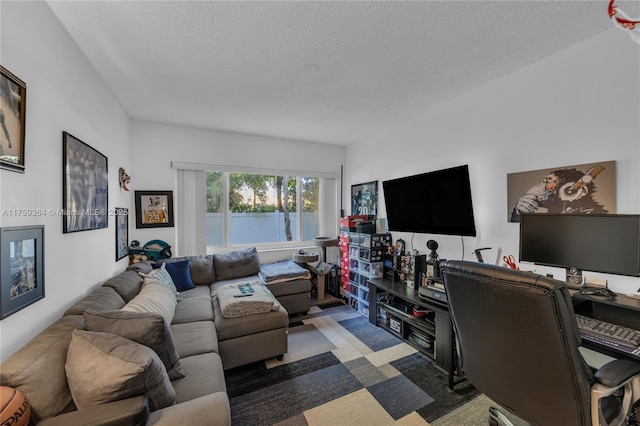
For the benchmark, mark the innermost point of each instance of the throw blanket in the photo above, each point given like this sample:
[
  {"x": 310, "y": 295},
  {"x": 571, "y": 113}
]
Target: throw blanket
[
  {"x": 238, "y": 300},
  {"x": 286, "y": 270}
]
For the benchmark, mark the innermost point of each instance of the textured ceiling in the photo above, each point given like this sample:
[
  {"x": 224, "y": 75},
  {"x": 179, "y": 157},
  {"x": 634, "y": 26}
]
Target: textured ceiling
[{"x": 332, "y": 72}]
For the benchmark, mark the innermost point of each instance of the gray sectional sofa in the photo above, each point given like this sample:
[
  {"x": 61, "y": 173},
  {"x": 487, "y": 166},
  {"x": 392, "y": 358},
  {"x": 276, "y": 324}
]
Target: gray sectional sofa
[{"x": 173, "y": 374}]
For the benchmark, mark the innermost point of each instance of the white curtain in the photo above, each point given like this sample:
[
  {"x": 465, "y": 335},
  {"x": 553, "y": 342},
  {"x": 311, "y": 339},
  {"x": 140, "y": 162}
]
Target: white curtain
[{"x": 191, "y": 213}]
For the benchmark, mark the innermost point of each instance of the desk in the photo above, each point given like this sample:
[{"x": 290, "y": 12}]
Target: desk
[{"x": 622, "y": 311}]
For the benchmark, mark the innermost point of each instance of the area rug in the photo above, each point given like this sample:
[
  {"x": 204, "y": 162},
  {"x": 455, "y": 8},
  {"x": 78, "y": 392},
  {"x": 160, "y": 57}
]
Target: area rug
[{"x": 342, "y": 370}]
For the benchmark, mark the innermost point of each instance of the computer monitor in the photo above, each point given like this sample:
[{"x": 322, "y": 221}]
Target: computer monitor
[{"x": 608, "y": 243}]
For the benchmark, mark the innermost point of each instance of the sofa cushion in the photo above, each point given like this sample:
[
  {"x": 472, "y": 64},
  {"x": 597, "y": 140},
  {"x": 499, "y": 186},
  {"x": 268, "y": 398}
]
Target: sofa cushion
[
  {"x": 289, "y": 287},
  {"x": 148, "y": 329},
  {"x": 195, "y": 338},
  {"x": 179, "y": 272},
  {"x": 229, "y": 328},
  {"x": 127, "y": 284},
  {"x": 202, "y": 269},
  {"x": 193, "y": 309},
  {"x": 236, "y": 264},
  {"x": 204, "y": 376},
  {"x": 31, "y": 370},
  {"x": 161, "y": 274},
  {"x": 103, "y": 367},
  {"x": 102, "y": 298},
  {"x": 154, "y": 297},
  {"x": 198, "y": 291}
]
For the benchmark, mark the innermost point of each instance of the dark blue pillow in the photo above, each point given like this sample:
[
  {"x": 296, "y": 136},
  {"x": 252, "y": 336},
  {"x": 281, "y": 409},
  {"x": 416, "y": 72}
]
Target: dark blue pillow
[{"x": 180, "y": 274}]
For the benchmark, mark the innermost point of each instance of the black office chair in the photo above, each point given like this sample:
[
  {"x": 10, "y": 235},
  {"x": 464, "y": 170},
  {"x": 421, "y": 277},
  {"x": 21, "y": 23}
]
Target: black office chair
[{"x": 518, "y": 344}]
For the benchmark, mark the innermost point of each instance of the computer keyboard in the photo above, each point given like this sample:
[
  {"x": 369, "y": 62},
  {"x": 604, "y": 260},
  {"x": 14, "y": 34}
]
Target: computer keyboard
[{"x": 612, "y": 335}]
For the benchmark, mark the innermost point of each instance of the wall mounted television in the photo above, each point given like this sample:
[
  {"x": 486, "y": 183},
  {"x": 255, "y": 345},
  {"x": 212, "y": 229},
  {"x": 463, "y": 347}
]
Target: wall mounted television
[
  {"x": 607, "y": 243},
  {"x": 437, "y": 202}
]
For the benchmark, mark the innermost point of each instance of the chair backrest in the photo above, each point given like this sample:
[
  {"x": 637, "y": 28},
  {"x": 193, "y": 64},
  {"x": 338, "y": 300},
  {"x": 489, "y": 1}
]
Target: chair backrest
[{"x": 518, "y": 341}]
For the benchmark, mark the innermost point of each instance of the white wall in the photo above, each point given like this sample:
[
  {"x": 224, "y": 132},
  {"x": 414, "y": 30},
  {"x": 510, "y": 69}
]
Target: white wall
[
  {"x": 64, "y": 93},
  {"x": 578, "y": 106},
  {"x": 155, "y": 146}
]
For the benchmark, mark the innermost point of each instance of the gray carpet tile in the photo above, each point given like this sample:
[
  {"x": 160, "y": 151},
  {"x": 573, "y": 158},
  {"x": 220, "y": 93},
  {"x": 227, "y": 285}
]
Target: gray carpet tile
[
  {"x": 399, "y": 396},
  {"x": 365, "y": 372},
  {"x": 256, "y": 376},
  {"x": 292, "y": 397},
  {"x": 372, "y": 336},
  {"x": 420, "y": 370}
]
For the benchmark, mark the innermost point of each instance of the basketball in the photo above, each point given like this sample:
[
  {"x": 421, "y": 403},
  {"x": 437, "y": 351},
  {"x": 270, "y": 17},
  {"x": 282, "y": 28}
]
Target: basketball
[{"x": 14, "y": 407}]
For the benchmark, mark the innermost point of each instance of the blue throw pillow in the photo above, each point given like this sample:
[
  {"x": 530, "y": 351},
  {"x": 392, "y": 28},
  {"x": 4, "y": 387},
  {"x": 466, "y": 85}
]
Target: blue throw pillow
[{"x": 180, "y": 274}]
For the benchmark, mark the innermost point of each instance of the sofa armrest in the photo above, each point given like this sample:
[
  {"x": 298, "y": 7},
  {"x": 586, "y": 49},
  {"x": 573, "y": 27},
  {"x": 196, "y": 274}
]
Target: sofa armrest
[
  {"x": 127, "y": 412},
  {"x": 212, "y": 409}
]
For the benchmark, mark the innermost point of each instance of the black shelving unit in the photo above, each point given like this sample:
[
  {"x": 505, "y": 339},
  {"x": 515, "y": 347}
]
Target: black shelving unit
[{"x": 432, "y": 334}]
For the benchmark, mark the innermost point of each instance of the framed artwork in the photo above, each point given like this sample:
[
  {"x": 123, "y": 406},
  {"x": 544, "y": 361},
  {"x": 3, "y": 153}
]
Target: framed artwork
[
  {"x": 85, "y": 186},
  {"x": 154, "y": 209},
  {"x": 13, "y": 98},
  {"x": 580, "y": 189},
  {"x": 22, "y": 267},
  {"x": 122, "y": 232},
  {"x": 364, "y": 198}
]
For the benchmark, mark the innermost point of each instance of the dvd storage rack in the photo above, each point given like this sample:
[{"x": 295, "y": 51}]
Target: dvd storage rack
[{"x": 364, "y": 254}]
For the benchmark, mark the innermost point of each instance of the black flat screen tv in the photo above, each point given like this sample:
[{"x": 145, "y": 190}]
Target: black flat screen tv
[
  {"x": 436, "y": 202},
  {"x": 608, "y": 243}
]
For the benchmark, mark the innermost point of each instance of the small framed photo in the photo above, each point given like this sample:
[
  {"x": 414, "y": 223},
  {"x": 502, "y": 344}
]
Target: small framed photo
[
  {"x": 13, "y": 99},
  {"x": 122, "y": 232},
  {"x": 154, "y": 209},
  {"x": 21, "y": 267},
  {"x": 85, "y": 186}
]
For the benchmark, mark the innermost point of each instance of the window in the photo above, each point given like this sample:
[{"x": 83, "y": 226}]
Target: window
[{"x": 260, "y": 209}]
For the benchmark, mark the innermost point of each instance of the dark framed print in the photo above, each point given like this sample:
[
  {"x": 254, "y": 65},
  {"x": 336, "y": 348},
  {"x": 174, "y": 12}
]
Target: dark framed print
[
  {"x": 13, "y": 101},
  {"x": 22, "y": 267},
  {"x": 85, "y": 186},
  {"x": 364, "y": 198},
  {"x": 154, "y": 209},
  {"x": 122, "y": 232}
]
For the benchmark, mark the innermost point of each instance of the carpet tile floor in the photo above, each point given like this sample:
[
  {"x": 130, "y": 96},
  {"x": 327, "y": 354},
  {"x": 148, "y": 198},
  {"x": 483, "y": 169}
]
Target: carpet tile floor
[{"x": 341, "y": 370}]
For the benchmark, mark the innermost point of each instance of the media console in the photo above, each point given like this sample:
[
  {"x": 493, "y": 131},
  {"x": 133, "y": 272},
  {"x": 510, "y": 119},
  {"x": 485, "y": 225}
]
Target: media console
[{"x": 431, "y": 332}]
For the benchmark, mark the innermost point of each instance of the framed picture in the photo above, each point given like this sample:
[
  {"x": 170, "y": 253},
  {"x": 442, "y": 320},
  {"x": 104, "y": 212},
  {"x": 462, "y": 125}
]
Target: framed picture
[
  {"x": 579, "y": 189},
  {"x": 85, "y": 186},
  {"x": 22, "y": 267},
  {"x": 154, "y": 209},
  {"x": 122, "y": 232},
  {"x": 364, "y": 198},
  {"x": 13, "y": 98}
]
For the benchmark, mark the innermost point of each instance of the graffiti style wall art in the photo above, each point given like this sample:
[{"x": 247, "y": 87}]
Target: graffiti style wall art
[{"x": 582, "y": 189}]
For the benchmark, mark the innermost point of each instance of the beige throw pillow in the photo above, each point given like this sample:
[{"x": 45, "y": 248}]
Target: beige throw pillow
[
  {"x": 148, "y": 329},
  {"x": 103, "y": 367},
  {"x": 154, "y": 297}
]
